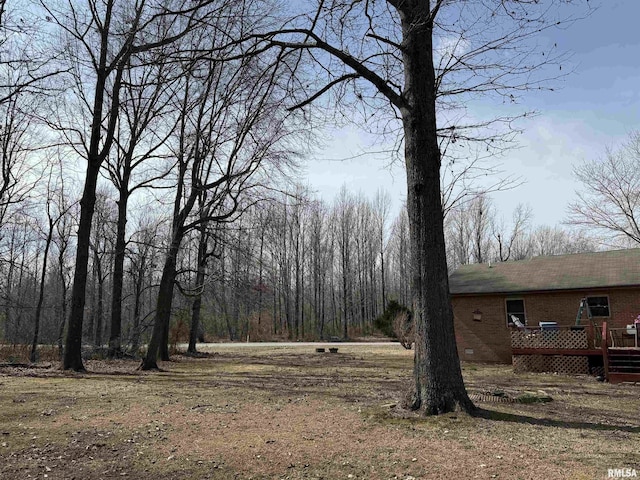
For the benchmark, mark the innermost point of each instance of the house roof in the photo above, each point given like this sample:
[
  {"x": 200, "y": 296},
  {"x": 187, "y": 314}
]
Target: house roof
[{"x": 616, "y": 268}]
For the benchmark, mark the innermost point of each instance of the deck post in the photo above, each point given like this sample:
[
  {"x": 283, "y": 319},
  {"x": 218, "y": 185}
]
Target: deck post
[{"x": 605, "y": 350}]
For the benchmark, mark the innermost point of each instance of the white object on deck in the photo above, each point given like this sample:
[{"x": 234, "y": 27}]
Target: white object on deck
[{"x": 516, "y": 321}]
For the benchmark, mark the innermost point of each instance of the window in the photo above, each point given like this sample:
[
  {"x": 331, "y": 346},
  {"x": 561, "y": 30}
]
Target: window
[
  {"x": 599, "y": 306},
  {"x": 515, "y": 307}
]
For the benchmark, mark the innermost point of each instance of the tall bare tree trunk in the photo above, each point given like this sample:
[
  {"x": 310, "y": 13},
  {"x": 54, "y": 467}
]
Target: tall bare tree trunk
[
  {"x": 63, "y": 301},
  {"x": 261, "y": 273},
  {"x": 197, "y": 302},
  {"x": 100, "y": 305},
  {"x": 73, "y": 345},
  {"x": 115, "y": 341},
  {"x": 438, "y": 377},
  {"x": 98, "y": 148},
  {"x": 9, "y": 289},
  {"x": 43, "y": 276},
  {"x": 163, "y": 307}
]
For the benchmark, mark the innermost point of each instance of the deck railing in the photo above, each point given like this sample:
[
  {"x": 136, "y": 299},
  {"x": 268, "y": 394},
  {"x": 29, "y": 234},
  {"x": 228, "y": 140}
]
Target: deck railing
[
  {"x": 600, "y": 350},
  {"x": 624, "y": 337},
  {"x": 560, "y": 336}
]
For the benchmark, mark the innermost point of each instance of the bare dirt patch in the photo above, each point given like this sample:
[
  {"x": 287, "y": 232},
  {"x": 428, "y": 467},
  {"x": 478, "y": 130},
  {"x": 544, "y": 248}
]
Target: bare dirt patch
[{"x": 289, "y": 412}]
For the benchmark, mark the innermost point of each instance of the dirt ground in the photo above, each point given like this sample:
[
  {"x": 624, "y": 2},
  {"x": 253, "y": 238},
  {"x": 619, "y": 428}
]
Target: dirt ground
[{"x": 292, "y": 413}]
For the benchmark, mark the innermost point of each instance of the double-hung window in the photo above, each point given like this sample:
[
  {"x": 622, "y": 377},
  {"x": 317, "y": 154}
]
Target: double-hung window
[
  {"x": 515, "y": 308},
  {"x": 598, "y": 306}
]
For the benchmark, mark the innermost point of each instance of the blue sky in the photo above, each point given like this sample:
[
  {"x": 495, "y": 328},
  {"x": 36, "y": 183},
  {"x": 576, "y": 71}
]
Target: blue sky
[{"x": 595, "y": 107}]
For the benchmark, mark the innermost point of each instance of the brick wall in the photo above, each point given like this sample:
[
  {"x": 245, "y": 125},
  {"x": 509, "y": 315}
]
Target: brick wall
[{"x": 488, "y": 340}]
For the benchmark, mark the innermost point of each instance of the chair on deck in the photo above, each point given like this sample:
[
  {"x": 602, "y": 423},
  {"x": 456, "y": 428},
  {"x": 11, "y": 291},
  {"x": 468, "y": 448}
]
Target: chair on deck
[{"x": 516, "y": 321}]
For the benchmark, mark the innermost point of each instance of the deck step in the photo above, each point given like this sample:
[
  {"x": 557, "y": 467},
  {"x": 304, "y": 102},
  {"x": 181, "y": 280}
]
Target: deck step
[
  {"x": 624, "y": 368},
  {"x": 624, "y": 365},
  {"x": 630, "y": 361},
  {"x": 618, "y": 377},
  {"x": 624, "y": 351}
]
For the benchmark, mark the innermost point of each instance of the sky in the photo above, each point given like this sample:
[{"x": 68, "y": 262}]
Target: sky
[{"x": 595, "y": 107}]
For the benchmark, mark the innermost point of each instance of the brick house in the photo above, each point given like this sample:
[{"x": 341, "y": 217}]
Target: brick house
[{"x": 485, "y": 296}]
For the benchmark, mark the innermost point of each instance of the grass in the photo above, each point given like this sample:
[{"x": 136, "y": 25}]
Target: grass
[{"x": 289, "y": 412}]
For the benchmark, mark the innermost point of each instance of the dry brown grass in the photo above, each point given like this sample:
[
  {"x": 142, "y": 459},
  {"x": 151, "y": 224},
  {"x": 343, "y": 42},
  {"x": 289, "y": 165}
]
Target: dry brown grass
[{"x": 292, "y": 413}]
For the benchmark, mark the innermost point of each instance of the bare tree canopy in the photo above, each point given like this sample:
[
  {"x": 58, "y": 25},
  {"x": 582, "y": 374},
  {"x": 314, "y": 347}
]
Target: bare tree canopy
[
  {"x": 609, "y": 198},
  {"x": 101, "y": 42}
]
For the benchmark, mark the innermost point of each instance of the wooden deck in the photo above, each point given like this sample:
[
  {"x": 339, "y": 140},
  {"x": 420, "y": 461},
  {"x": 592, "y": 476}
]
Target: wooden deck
[
  {"x": 620, "y": 363},
  {"x": 623, "y": 364},
  {"x": 556, "y": 351}
]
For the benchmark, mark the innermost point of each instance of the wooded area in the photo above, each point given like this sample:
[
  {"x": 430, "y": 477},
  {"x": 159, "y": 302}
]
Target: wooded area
[
  {"x": 288, "y": 269},
  {"x": 150, "y": 153}
]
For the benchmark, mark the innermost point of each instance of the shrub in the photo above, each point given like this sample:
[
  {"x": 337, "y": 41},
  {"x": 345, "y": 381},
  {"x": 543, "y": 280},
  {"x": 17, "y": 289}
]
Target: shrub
[
  {"x": 396, "y": 322},
  {"x": 403, "y": 328}
]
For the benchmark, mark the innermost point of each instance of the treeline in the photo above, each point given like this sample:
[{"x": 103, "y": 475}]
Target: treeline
[
  {"x": 290, "y": 267},
  {"x": 148, "y": 185},
  {"x": 477, "y": 233}
]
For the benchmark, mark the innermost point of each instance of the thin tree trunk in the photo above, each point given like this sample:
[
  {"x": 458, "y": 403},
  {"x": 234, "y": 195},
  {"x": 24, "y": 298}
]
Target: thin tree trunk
[
  {"x": 223, "y": 298},
  {"x": 195, "y": 324},
  {"x": 7, "y": 306},
  {"x": 115, "y": 340},
  {"x": 382, "y": 280},
  {"x": 276, "y": 300},
  {"x": 137, "y": 303},
  {"x": 90, "y": 333},
  {"x": 17, "y": 337},
  {"x": 235, "y": 294},
  {"x": 296, "y": 316},
  {"x": 63, "y": 304},
  {"x": 260, "y": 274},
  {"x": 163, "y": 306},
  {"x": 100, "y": 309},
  {"x": 345, "y": 333},
  {"x": 63, "y": 322},
  {"x": 36, "y": 320},
  {"x": 197, "y": 302},
  {"x": 302, "y": 299}
]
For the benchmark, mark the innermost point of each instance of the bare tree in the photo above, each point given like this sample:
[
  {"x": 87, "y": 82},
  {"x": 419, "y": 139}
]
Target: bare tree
[
  {"x": 424, "y": 59},
  {"x": 482, "y": 216},
  {"x": 510, "y": 246},
  {"x": 229, "y": 129},
  {"x": 609, "y": 198},
  {"x": 381, "y": 205},
  {"x": 23, "y": 260},
  {"x": 102, "y": 249},
  {"x": 545, "y": 240},
  {"x": 458, "y": 236},
  {"x": 399, "y": 258},
  {"x": 142, "y": 255},
  {"x": 63, "y": 242},
  {"x": 208, "y": 246},
  {"x": 344, "y": 224},
  {"x": 101, "y": 39},
  {"x": 55, "y": 211},
  {"x": 17, "y": 145},
  {"x": 137, "y": 164},
  {"x": 319, "y": 255}
]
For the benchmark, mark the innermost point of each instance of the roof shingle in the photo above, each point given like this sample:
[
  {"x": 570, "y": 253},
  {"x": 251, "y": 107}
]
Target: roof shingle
[{"x": 615, "y": 268}]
